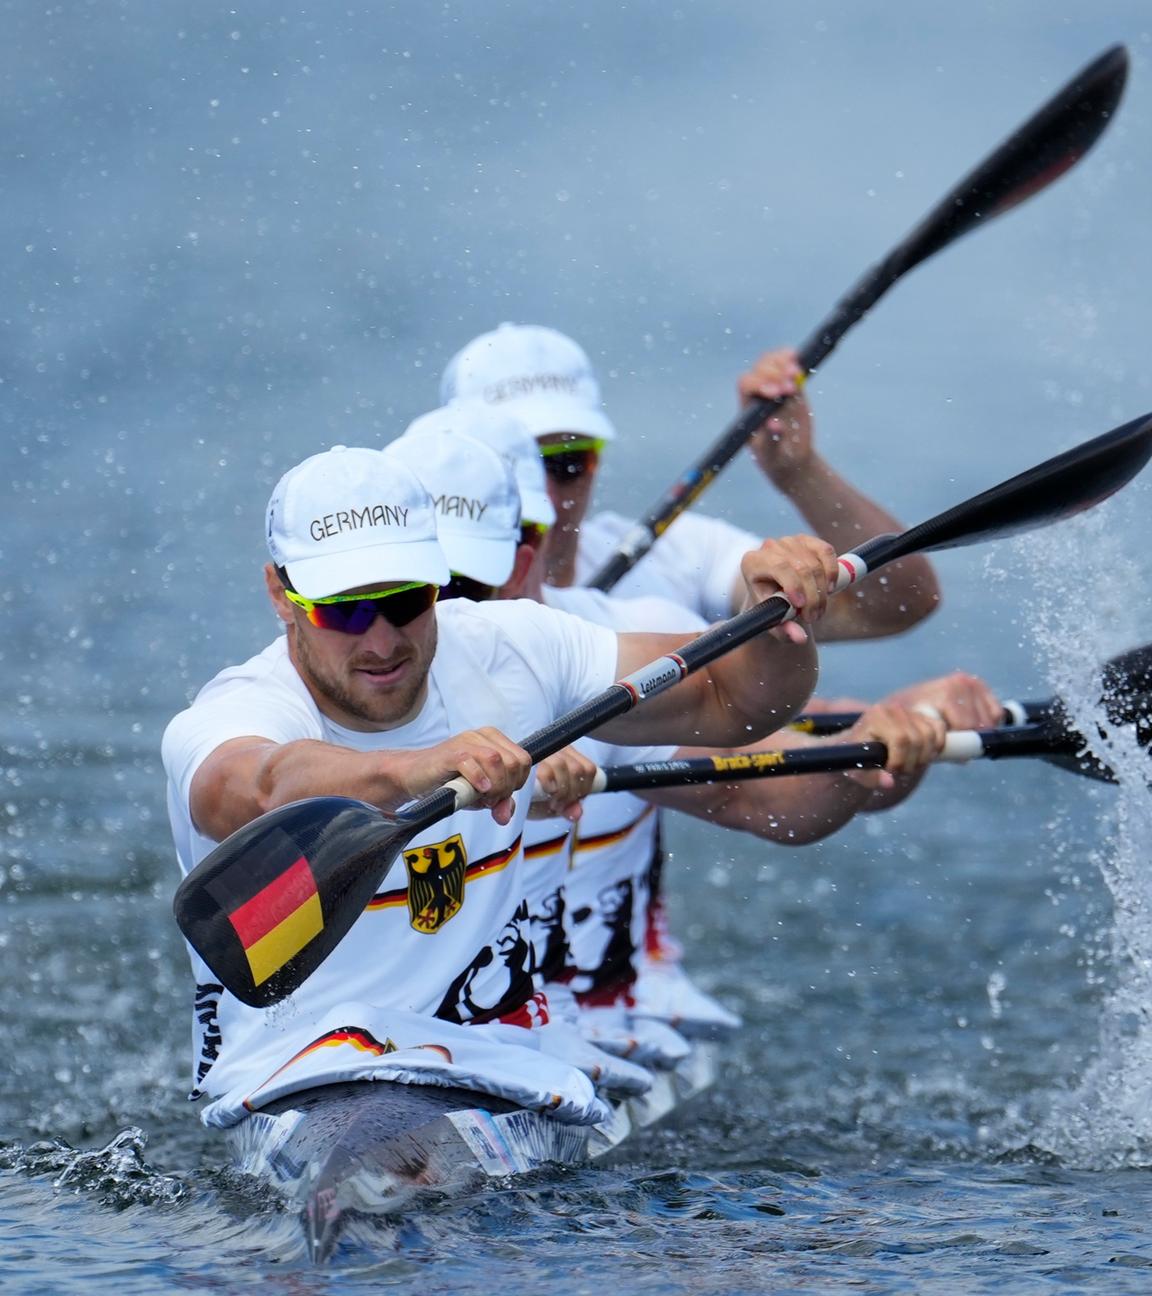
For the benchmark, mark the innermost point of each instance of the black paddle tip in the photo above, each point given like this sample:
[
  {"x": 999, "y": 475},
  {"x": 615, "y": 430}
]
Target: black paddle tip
[
  {"x": 1101, "y": 81},
  {"x": 1113, "y": 62}
]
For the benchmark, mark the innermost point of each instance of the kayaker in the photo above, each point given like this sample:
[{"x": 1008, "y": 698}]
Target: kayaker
[
  {"x": 598, "y": 894},
  {"x": 546, "y": 380},
  {"x": 375, "y": 692}
]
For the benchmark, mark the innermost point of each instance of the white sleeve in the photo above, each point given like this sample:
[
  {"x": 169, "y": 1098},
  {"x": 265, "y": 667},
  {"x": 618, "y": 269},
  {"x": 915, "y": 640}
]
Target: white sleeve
[
  {"x": 707, "y": 551},
  {"x": 241, "y": 711},
  {"x": 695, "y": 562}
]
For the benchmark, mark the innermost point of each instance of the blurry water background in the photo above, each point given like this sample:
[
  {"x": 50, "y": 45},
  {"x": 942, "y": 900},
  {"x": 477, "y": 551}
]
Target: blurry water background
[{"x": 235, "y": 236}]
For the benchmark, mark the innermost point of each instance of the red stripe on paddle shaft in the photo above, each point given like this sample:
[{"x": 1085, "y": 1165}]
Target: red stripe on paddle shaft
[{"x": 255, "y": 918}]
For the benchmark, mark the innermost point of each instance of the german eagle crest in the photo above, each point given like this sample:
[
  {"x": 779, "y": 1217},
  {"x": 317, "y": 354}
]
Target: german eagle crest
[{"x": 435, "y": 883}]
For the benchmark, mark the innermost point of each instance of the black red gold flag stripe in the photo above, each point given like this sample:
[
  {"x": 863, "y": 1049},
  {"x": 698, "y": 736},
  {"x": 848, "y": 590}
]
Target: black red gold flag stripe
[
  {"x": 279, "y": 920},
  {"x": 359, "y": 1038}
]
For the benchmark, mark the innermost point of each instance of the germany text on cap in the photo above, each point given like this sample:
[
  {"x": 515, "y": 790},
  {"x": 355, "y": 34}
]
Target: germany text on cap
[
  {"x": 538, "y": 374},
  {"x": 498, "y": 428},
  {"x": 349, "y": 518},
  {"x": 475, "y": 497}
]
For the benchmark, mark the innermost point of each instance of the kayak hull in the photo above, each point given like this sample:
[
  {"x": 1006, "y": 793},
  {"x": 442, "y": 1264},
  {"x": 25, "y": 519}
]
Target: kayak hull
[{"x": 371, "y": 1148}]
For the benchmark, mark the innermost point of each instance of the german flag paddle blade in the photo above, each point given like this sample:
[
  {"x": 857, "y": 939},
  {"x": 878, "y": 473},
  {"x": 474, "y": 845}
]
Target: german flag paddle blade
[{"x": 268, "y": 905}]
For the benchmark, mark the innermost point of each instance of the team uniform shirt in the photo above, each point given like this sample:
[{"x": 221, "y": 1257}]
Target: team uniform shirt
[
  {"x": 686, "y": 581},
  {"x": 695, "y": 563},
  {"x": 548, "y": 843},
  {"x": 445, "y": 941},
  {"x": 605, "y": 888}
]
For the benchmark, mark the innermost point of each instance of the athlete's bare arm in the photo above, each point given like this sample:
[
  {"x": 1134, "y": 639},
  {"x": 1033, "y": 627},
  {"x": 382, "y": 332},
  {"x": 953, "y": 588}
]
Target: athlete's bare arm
[
  {"x": 797, "y": 810},
  {"x": 834, "y": 510},
  {"x": 752, "y": 690},
  {"x": 246, "y": 777}
]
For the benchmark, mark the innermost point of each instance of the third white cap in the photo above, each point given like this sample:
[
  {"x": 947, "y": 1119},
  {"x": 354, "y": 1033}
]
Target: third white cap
[{"x": 537, "y": 373}]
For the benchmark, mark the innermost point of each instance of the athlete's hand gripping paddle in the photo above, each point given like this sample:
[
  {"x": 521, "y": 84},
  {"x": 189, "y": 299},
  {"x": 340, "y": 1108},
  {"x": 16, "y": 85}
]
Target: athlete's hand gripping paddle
[
  {"x": 1049, "y": 143},
  {"x": 271, "y": 902}
]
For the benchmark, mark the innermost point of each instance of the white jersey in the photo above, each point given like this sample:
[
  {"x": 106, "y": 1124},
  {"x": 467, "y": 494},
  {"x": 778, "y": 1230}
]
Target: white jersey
[
  {"x": 695, "y": 563},
  {"x": 604, "y": 903},
  {"x": 450, "y": 942}
]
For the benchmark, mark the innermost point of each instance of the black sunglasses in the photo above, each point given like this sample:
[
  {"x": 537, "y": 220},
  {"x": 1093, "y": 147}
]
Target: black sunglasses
[
  {"x": 566, "y": 461},
  {"x": 466, "y": 588}
]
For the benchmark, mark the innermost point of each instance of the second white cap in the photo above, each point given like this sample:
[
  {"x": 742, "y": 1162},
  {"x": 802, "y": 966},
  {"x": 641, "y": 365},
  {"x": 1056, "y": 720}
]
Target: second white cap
[
  {"x": 506, "y": 435},
  {"x": 475, "y": 499}
]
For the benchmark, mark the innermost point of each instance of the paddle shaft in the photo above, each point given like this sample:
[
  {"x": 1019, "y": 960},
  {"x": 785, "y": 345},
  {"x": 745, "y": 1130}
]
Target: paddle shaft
[
  {"x": 1051, "y": 141},
  {"x": 655, "y": 677},
  {"x": 960, "y": 746},
  {"x": 823, "y": 723},
  {"x": 1059, "y": 487}
]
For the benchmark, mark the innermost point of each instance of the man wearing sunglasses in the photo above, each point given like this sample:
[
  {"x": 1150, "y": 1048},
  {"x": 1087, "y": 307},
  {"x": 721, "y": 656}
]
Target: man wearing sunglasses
[
  {"x": 545, "y": 379},
  {"x": 378, "y": 692}
]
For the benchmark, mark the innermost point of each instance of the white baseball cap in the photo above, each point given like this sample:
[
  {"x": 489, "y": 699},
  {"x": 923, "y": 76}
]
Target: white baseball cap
[
  {"x": 498, "y": 428},
  {"x": 536, "y": 373},
  {"x": 350, "y": 517},
  {"x": 475, "y": 497}
]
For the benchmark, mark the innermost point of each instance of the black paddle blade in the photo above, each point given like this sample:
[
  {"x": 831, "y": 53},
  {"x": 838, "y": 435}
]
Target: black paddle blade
[
  {"x": 270, "y": 903},
  {"x": 1126, "y": 696},
  {"x": 1083, "y": 763},
  {"x": 1127, "y": 690},
  {"x": 1049, "y": 143},
  {"x": 1058, "y": 488}
]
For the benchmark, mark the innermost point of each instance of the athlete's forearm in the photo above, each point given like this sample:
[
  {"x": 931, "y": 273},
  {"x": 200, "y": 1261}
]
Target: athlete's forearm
[
  {"x": 748, "y": 693},
  {"x": 793, "y": 811},
  {"x": 308, "y": 769},
  {"x": 839, "y": 513},
  {"x": 245, "y": 778},
  {"x": 757, "y": 689}
]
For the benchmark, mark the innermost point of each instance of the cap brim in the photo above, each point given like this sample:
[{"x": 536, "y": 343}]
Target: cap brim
[
  {"x": 384, "y": 564},
  {"x": 481, "y": 558},
  {"x": 535, "y": 506},
  {"x": 546, "y": 415}
]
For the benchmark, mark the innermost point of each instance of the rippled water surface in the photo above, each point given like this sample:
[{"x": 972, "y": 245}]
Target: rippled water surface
[{"x": 235, "y": 236}]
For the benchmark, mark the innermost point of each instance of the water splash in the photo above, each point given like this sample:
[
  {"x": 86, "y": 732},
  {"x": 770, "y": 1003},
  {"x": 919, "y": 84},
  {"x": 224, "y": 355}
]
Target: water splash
[
  {"x": 116, "y": 1174},
  {"x": 1105, "y": 1118}
]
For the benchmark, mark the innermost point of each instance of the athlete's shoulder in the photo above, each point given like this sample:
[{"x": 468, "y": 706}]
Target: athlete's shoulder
[
  {"x": 270, "y": 668},
  {"x": 264, "y": 691}
]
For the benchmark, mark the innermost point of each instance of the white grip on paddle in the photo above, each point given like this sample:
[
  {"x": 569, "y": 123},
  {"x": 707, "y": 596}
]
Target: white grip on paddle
[
  {"x": 961, "y": 745},
  {"x": 1016, "y": 713},
  {"x": 852, "y": 568},
  {"x": 466, "y": 794},
  {"x": 599, "y": 783}
]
